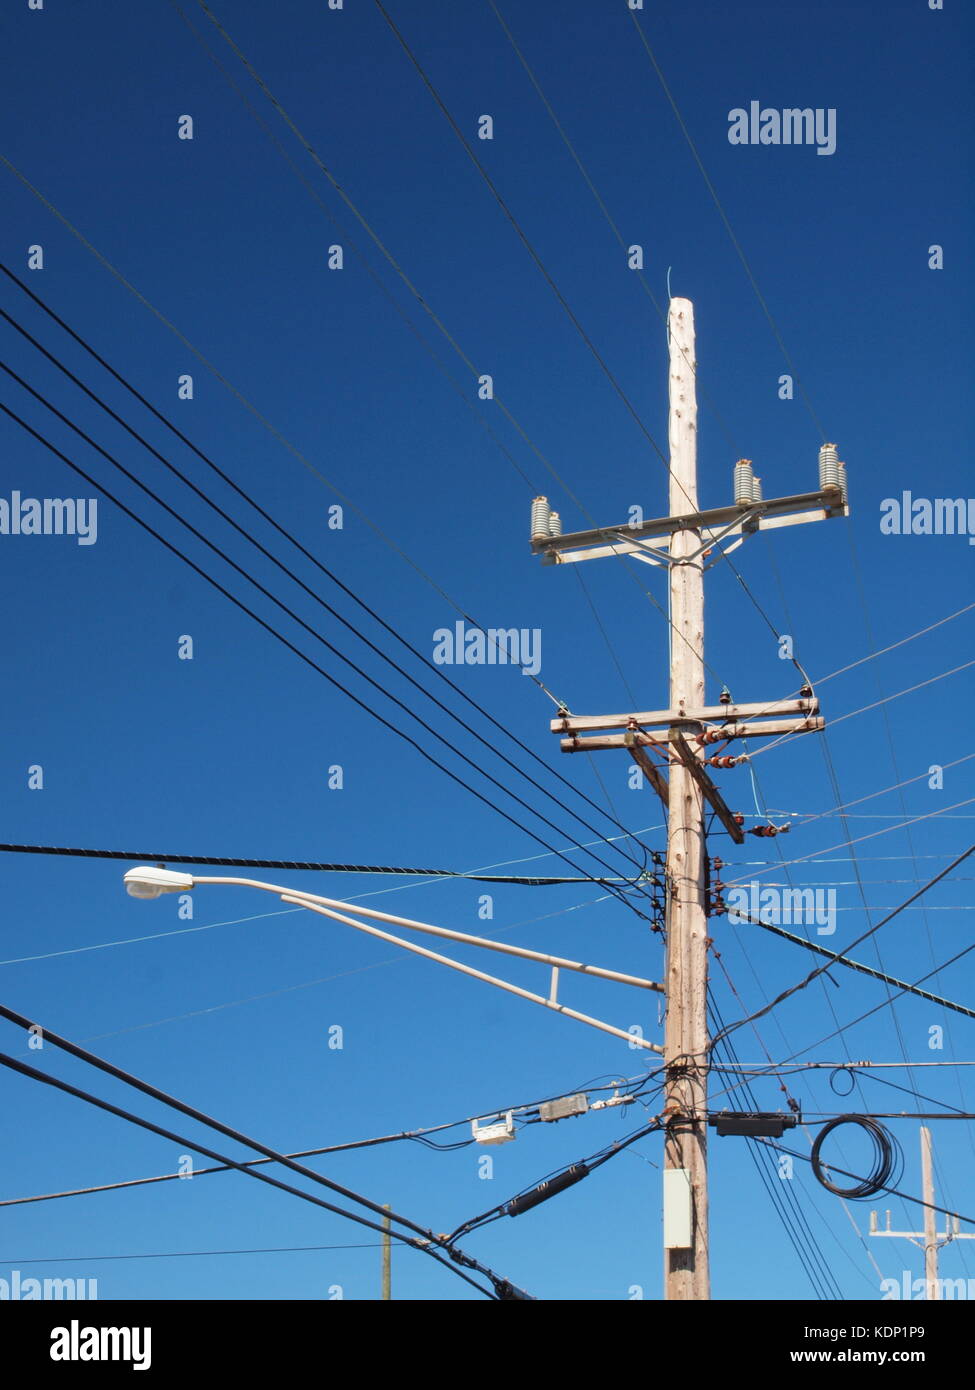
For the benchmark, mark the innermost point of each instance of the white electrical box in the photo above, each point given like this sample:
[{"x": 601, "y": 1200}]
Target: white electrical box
[
  {"x": 495, "y": 1132},
  {"x": 678, "y": 1209}
]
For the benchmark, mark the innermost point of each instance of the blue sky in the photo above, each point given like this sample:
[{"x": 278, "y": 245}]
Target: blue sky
[{"x": 229, "y": 754}]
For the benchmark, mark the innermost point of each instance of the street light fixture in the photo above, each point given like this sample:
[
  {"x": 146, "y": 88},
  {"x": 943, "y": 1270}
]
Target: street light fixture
[{"x": 149, "y": 882}]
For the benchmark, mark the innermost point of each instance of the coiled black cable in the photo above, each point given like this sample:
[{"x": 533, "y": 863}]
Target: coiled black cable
[{"x": 885, "y": 1157}]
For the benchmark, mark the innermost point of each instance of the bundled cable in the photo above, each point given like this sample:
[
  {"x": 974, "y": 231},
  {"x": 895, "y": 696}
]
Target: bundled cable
[{"x": 886, "y": 1157}]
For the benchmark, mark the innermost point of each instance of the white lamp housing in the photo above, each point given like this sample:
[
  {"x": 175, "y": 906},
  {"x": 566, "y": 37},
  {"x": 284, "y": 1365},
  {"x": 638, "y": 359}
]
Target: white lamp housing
[{"x": 147, "y": 882}]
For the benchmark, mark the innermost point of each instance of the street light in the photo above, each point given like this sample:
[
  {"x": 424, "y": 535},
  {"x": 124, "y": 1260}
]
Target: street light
[{"x": 149, "y": 882}]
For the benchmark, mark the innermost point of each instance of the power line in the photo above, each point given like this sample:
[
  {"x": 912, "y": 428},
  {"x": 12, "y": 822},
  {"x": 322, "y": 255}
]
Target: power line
[
  {"x": 35, "y": 1075},
  {"x": 821, "y": 680},
  {"x": 551, "y": 1186},
  {"x": 290, "y": 612},
  {"x": 184, "y": 1254},
  {"x": 324, "y": 569},
  {"x": 421, "y": 300},
  {"x": 400, "y": 733},
  {"x": 806, "y": 1247},
  {"x": 563, "y": 303},
  {"x": 728, "y": 227},
  {"x": 642, "y": 279},
  {"x": 415, "y": 1135},
  {"x": 18, "y": 1019},
  {"x": 967, "y": 950},
  {"x": 499, "y": 199},
  {"x": 841, "y": 844},
  {"x": 895, "y": 1192},
  {"x": 293, "y": 864},
  {"x": 814, "y": 974}
]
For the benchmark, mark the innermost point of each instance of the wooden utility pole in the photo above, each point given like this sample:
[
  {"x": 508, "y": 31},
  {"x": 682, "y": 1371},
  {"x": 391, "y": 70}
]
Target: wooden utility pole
[
  {"x": 684, "y": 542},
  {"x": 929, "y": 1240},
  {"x": 387, "y": 1291},
  {"x": 686, "y": 1034}
]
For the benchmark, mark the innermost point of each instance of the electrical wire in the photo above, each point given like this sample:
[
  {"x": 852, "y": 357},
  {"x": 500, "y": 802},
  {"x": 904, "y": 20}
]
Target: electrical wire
[
  {"x": 583, "y": 1168},
  {"x": 631, "y": 409},
  {"x": 529, "y": 1109},
  {"x": 294, "y": 616},
  {"x": 34, "y": 1074},
  {"x": 814, "y": 974},
  {"x": 387, "y": 254},
  {"x": 840, "y": 959},
  {"x": 294, "y": 864},
  {"x": 400, "y": 733},
  {"x": 184, "y": 1254},
  {"x": 842, "y": 844},
  {"x": 728, "y": 227},
  {"x": 894, "y": 1192},
  {"x": 884, "y": 1162},
  {"x": 109, "y": 1068},
  {"x": 322, "y": 568}
]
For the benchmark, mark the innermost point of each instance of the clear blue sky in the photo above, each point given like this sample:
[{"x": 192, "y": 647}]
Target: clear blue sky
[{"x": 228, "y": 754}]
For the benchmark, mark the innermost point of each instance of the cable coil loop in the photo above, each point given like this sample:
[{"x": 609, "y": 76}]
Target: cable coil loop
[{"x": 885, "y": 1157}]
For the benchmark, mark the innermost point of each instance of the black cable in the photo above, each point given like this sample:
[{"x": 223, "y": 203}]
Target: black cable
[
  {"x": 793, "y": 989},
  {"x": 869, "y": 1075},
  {"x": 305, "y": 552},
  {"x": 807, "y": 1257},
  {"x": 290, "y": 612},
  {"x": 858, "y": 966},
  {"x": 551, "y": 1185},
  {"x": 424, "y": 304},
  {"x": 290, "y": 645},
  {"x": 74, "y": 1050},
  {"x": 798, "y": 1230},
  {"x": 894, "y": 1192},
  {"x": 565, "y": 305},
  {"x": 567, "y": 308},
  {"x": 418, "y": 1136},
  {"x": 298, "y": 864},
  {"x": 965, "y": 951},
  {"x": 32, "y": 1072}
]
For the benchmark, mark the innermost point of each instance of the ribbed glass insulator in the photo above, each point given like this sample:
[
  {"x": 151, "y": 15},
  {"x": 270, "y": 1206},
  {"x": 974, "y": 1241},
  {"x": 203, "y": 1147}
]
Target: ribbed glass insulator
[{"x": 554, "y": 524}]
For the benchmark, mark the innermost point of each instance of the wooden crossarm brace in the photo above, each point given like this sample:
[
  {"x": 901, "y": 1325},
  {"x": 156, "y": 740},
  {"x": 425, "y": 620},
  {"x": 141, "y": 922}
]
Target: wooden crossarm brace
[
  {"x": 648, "y": 767},
  {"x": 710, "y": 791}
]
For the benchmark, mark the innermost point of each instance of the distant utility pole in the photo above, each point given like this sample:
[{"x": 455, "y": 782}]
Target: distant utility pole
[
  {"x": 685, "y": 541},
  {"x": 927, "y": 1240},
  {"x": 387, "y": 1290}
]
